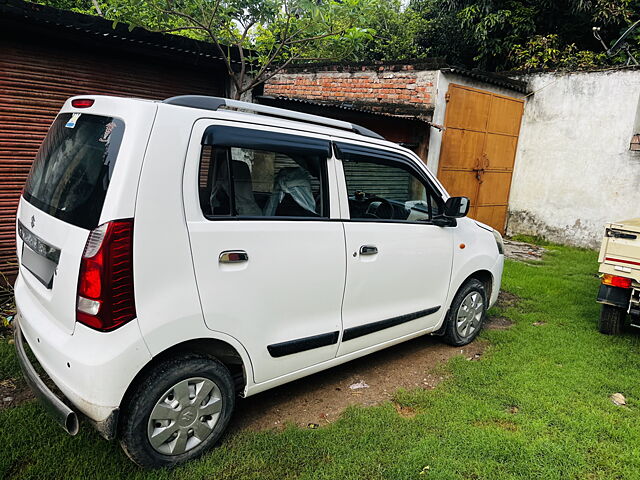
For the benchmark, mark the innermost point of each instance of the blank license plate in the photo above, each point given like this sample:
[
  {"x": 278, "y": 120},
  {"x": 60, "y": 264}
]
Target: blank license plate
[{"x": 41, "y": 267}]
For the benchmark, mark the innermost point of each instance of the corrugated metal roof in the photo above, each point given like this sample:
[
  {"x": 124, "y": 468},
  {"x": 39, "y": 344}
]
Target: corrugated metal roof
[
  {"x": 342, "y": 105},
  {"x": 491, "y": 78},
  {"x": 102, "y": 29}
]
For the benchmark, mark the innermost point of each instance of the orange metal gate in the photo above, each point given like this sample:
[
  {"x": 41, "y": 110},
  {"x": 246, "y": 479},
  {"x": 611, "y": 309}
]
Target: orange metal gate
[
  {"x": 478, "y": 150},
  {"x": 36, "y": 79}
]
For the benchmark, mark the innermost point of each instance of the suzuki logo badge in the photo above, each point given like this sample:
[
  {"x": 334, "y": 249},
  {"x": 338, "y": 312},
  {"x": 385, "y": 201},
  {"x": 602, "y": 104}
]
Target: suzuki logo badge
[{"x": 33, "y": 221}]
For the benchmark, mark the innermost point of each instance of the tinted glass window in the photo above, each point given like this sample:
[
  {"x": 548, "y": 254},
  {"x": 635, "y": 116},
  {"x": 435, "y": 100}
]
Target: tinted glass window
[
  {"x": 382, "y": 191},
  {"x": 261, "y": 183},
  {"x": 72, "y": 170}
]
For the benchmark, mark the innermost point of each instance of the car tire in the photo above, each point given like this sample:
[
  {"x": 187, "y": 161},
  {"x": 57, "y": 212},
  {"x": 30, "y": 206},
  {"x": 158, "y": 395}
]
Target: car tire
[
  {"x": 467, "y": 314},
  {"x": 611, "y": 320},
  {"x": 171, "y": 417}
]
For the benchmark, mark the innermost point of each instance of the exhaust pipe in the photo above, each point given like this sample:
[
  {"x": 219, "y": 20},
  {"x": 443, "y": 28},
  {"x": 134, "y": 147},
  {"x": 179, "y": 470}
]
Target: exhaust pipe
[{"x": 61, "y": 413}]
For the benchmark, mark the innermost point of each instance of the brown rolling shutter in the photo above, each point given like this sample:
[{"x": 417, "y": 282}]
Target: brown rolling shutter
[{"x": 36, "y": 79}]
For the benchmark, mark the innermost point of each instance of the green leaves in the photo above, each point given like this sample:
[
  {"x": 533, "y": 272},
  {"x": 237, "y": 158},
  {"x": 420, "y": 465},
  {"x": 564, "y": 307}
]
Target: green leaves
[
  {"x": 547, "y": 52},
  {"x": 497, "y": 34}
]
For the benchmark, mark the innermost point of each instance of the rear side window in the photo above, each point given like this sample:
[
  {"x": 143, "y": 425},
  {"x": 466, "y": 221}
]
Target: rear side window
[
  {"x": 72, "y": 170},
  {"x": 285, "y": 176}
]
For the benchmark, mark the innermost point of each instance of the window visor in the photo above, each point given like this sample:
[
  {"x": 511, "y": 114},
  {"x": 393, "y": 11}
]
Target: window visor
[
  {"x": 224, "y": 136},
  {"x": 348, "y": 152}
]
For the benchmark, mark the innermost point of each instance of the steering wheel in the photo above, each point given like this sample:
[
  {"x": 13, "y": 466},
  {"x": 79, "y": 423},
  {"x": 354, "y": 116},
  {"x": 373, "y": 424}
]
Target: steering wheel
[{"x": 379, "y": 207}]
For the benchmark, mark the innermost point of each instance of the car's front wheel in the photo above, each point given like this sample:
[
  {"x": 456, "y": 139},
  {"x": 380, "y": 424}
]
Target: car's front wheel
[
  {"x": 178, "y": 412},
  {"x": 467, "y": 314},
  {"x": 611, "y": 320}
]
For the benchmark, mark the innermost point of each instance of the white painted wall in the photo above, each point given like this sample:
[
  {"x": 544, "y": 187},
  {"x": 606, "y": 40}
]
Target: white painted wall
[{"x": 574, "y": 171}]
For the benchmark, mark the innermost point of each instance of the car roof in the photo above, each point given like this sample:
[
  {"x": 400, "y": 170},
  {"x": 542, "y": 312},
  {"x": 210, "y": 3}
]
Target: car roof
[
  {"x": 235, "y": 110},
  {"x": 214, "y": 103}
]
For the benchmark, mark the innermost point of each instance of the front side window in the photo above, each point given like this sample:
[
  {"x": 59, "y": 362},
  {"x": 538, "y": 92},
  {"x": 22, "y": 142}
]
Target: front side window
[
  {"x": 385, "y": 190},
  {"x": 249, "y": 182}
]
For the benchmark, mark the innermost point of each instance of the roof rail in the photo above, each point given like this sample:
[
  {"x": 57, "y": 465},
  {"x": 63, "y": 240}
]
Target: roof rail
[{"x": 214, "y": 103}]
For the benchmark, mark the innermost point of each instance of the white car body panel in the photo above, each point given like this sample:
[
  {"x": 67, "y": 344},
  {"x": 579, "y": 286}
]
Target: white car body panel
[{"x": 411, "y": 272}]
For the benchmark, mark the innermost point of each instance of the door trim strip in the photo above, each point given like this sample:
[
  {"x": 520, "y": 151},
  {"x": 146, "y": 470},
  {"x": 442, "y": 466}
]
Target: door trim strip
[
  {"x": 302, "y": 344},
  {"x": 367, "y": 328}
]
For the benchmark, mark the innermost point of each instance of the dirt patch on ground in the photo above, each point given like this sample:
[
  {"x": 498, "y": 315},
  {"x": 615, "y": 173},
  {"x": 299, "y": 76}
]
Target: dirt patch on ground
[
  {"x": 506, "y": 299},
  {"x": 13, "y": 392},
  {"x": 404, "y": 410},
  {"x": 498, "y": 323},
  {"x": 524, "y": 252},
  {"x": 320, "y": 399}
]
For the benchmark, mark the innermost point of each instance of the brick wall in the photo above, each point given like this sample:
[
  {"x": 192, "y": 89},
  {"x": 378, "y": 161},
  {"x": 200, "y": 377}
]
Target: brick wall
[{"x": 399, "y": 89}]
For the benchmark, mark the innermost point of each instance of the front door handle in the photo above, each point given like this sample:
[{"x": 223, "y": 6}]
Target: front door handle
[
  {"x": 233, "y": 256},
  {"x": 368, "y": 250}
]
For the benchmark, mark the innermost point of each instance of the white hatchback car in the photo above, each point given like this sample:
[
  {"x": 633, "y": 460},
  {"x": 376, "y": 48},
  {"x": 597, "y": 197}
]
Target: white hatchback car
[{"x": 175, "y": 254}]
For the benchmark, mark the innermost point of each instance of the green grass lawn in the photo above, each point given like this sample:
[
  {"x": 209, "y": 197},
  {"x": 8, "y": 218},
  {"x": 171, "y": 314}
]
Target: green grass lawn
[{"x": 534, "y": 406}]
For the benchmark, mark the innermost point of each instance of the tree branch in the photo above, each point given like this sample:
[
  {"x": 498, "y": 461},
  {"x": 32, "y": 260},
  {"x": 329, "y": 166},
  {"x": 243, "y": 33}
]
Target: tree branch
[
  {"x": 243, "y": 62},
  {"x": 97, "y": 7},
  {"x": 177, "y": 29},
  {"x": 280, "y": 47},
  {"x": 257, "y": 80},
  {"x": 216, "y": 22},
  {"x": 316, "y": 37},
  {"x": 214, "y": 13},
  {"x": 213, "y": 37}
]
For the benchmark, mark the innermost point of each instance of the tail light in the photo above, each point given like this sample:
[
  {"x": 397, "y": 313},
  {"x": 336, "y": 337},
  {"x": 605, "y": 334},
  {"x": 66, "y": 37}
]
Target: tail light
[
  {"x": 616, "y": 281},
  {"x": 105, "y": 283}
]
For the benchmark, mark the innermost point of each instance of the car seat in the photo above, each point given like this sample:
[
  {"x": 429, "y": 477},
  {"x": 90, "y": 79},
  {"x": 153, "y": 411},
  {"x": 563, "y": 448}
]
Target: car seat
[
  {"x": 245, "y": 202},
  {"x": 292, "y": 195}
]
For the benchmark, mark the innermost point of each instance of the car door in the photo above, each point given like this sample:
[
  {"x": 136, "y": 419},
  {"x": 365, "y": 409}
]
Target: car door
[
  {"x": 398, "y": 262},
  {"x": 268, "y": 260}
]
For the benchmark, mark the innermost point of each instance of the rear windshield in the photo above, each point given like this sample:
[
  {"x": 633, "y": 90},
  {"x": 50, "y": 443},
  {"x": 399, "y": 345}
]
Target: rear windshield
[{"x": 71, "y": 172}]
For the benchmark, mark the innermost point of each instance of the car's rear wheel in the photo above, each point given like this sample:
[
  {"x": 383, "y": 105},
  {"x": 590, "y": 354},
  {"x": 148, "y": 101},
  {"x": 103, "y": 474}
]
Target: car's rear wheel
[
  {"x": 467, "y": 314},
  {"x": 178, "y": 412},
  {"x": 611, "y": 320}
]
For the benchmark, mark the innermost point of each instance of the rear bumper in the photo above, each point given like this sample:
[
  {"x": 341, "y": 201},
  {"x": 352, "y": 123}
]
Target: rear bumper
[
  {"x": 92, "y": 369},
  {"x": 614, "y": 296},
  {"x": 54, "y": 405}
]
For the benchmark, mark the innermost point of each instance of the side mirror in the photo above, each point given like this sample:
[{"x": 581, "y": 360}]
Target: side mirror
[{"x": 456, "y": 207}]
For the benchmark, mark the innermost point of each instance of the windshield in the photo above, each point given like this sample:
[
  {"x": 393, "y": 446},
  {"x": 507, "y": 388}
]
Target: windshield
[{"x": 71, "y": 172}]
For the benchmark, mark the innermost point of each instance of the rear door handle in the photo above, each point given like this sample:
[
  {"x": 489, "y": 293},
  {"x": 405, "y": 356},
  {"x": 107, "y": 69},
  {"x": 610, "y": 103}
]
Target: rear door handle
[
  {"x": 368, "y": 250},
  {"x": 233, "y": 256}
]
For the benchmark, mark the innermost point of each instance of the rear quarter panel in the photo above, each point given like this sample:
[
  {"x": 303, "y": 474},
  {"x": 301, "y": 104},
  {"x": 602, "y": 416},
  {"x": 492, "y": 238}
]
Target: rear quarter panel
[{"x": 167, "y": 301}]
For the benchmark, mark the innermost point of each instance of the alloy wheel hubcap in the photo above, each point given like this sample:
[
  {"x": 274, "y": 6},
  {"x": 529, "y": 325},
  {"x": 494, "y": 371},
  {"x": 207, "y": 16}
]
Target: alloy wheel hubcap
[
  {"x": 184, "y": 416},
  {"x": 469, "y": 314}
]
